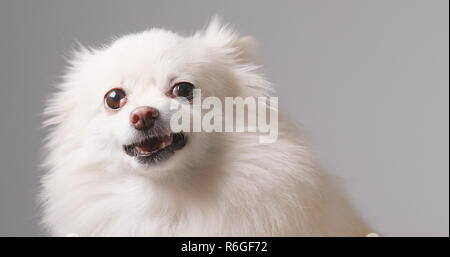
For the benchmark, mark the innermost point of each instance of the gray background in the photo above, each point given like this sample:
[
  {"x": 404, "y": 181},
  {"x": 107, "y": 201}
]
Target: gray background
[{"x": 368, "y": 80}]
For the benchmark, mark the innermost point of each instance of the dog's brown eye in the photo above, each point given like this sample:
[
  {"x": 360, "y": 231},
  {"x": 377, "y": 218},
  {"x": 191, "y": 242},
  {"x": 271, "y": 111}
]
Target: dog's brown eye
[
  {"x": 183, "y": 89},
  {"x": 115, "y": 99}
]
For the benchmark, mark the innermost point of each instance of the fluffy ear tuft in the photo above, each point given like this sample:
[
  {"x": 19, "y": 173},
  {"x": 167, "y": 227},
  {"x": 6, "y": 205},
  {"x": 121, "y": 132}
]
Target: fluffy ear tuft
[
  {"x": 78, "y": 55},
  {"x": 242, "y": 49},
  {"x": 246, "y": 50}
]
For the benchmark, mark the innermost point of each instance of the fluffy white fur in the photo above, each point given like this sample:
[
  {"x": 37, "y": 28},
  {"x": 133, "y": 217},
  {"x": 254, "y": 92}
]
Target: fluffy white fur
[{"x": 219, "y": 184}]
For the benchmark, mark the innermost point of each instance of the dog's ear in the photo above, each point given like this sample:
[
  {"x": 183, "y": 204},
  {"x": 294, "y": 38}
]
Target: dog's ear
[
  {"x": 78, "y": 55},
  {"x": 241, "y": 49},
  {"x": 246, "y": 50}
]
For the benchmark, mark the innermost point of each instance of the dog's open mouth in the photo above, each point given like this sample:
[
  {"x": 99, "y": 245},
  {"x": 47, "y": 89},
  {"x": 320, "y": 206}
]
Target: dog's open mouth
[{"x": 155, "y": 149}]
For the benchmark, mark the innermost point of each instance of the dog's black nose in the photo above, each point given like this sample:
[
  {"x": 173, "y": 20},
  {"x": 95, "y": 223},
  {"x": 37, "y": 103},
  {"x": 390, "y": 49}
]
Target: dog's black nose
[{"x": 143, "y": 117}]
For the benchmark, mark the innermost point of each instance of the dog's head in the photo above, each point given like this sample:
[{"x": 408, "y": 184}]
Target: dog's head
[{"x": 113, "y": 109}]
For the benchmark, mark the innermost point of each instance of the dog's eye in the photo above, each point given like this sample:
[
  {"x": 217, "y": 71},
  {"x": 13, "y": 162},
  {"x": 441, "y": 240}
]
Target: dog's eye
[
  {"x": 115, "y": 99},
  {"x": 183, "y": 89}
]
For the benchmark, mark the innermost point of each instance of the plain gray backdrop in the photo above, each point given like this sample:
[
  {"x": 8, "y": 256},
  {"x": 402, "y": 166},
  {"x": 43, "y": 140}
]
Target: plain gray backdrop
[{"x": 368, "y": 80}]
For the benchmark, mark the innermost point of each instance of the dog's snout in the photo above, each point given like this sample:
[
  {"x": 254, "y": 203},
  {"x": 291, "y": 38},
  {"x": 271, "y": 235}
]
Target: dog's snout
[{"x": 143, "y": 117}]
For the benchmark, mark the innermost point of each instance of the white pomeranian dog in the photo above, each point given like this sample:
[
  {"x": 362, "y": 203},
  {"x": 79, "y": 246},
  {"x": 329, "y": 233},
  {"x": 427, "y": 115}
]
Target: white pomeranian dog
[{"x": 114, "y": 167}]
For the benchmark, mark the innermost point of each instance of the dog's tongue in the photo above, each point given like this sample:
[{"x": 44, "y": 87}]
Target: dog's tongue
[{"x": 154, "y": 144}]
